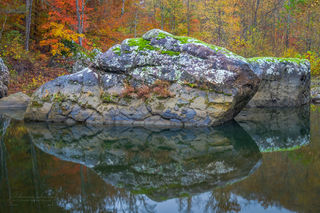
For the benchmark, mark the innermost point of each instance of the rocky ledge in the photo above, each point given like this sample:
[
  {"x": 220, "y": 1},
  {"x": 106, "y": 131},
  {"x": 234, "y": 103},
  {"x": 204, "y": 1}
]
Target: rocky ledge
[
  {"x": 159, "y": 79},
  {"x": 285, "y": 82},
  {"x": 4, "y": 79}
]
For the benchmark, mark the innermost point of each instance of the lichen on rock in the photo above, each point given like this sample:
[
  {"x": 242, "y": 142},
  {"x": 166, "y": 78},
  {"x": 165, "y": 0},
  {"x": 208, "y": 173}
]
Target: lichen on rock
[
  {"x": 285, "y": 82},
  {"x": 4, "y": 79},
  {"x": 159, "y": 79}
]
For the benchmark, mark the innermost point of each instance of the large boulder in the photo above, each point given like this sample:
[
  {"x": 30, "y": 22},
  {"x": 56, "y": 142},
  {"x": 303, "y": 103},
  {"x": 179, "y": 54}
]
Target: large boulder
[
  {"x": 4, "y": 79},
  {"x": 160, "y": 79},
  {"x": 285, "y": 82}
]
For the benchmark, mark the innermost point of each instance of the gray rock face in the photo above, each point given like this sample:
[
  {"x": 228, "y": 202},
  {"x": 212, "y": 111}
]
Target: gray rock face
[
  {"x": 17, "y": 100},
  {"x": 160, "y": 79},
  {"x": 162, "y": 164},
  {"x": 83, "y": 61},
  {"x": 284, "y": 82},
  {"x": 315, "y": 90},
  {"x": 4, "y": 79},
  {"x": 15, "y": 105}
]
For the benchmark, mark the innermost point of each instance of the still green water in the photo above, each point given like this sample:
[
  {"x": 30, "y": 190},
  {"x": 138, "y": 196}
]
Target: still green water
[{"x": 267, "y": 161}]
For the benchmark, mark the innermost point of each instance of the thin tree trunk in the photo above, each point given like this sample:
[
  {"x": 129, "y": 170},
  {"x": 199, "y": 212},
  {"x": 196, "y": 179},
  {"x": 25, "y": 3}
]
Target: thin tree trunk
[
  {"x": 256, "y": 13},
  {"x": 79, "y": 21},
  {"x": 220, "y": 27},
  {"x": 188, "y": 16},
  {"x": 162, "y": 16},
  {"x": 3, "y": 26},
  {"x": 287, "y": 37},
  {"x": 307, "y": 33},
  {"x": 135, "y": 23},
  {"x": 123, "y": 7},
  {"x": 84, "y": 2},
  {"x": 28, "y": 22}
]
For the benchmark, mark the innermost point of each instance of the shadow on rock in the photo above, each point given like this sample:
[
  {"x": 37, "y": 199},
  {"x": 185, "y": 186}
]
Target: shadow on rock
[{"x": 160, "y": 163}]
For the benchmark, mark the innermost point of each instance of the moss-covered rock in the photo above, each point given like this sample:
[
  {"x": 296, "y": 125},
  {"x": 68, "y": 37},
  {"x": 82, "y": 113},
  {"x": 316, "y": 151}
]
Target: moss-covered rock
[
  {"x": 159, "y": 79},
  {"x": 285, "y": 82}
]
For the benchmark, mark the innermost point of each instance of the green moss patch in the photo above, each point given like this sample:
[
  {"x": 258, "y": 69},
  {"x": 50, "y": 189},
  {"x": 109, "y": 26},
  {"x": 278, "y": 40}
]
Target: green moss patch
[
  {"x": 36, "y": 104},
  {"x": 59, "y": 98},
  {"x": 277, "y": 60},
  {"x": 171, "y": 53},
  {"x": 142, "y": 44},
  {"x": 108, "y": 98},
  {"x": 289, "y": 149},
  {"x": 117, "y": 50},
  {"x": 47, "y": 98},
  {"x": 189, "y": 40}
]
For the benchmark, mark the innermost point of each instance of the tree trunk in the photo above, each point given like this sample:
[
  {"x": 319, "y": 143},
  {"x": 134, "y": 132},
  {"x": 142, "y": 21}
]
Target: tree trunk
[
  {"x": 287, "y": 37},
  {"x": 135, "y": 23},
  {"x": 162, "y": 16},
  {"x": 256, "y": 13},
  {"x": 188, "y": 16},
  {"x": 3, "y": 26},
  {"x": 123, "y": 6},
  {"x": 28, "y": 22},
  {"x": 79, "y": 21}
]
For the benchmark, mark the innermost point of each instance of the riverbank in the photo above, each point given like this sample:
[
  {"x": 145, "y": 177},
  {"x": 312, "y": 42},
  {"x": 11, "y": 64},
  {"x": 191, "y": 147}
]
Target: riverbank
[{"x": 31, "y": 78}]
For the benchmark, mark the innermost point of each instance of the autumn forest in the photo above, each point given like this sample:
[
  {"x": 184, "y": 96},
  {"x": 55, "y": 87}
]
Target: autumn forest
[{"x": 40, "y": 39}]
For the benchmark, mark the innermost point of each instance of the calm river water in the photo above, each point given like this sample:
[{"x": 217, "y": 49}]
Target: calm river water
[{"x": 267, "y": 161}]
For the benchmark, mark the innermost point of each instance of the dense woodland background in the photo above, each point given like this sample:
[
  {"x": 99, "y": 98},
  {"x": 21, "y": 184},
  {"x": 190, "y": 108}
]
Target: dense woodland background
[{"x": 40, "y": 39}]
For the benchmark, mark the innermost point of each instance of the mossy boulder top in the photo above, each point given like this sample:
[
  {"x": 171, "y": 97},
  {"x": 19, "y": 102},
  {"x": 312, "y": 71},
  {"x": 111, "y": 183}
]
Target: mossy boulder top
[
  {"x": 159, "y": 79},
  {"x": 4, "y": 79},
  {"x": 159, "y": 55}
]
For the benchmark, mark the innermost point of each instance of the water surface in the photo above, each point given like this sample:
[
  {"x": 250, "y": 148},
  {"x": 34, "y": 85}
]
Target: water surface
[{"x": 267, "y": 161}]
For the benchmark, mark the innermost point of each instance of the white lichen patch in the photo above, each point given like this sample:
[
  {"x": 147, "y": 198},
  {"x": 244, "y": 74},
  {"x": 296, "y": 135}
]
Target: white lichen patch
[
  {"x": 219, "y": 76},
  {"x": 80, "y": 74},
  {"x": 219, "y": 167},
  {"x": 154, "y": 33},
  {"x": 273, "y": 65}
]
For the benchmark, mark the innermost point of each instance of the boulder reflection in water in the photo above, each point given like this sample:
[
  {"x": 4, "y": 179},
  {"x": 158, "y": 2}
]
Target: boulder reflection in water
[
  {"x": 160, "y": 163},
  {"x": 281, "y": 129}
]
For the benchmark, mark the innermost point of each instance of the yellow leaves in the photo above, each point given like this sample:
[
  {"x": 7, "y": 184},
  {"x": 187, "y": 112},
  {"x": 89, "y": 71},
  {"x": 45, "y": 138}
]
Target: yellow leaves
[
  {"x": 36, "y": 82},
  {"x": 58, "y": 48},
  {"x": 14, "y": 48},
  {"x": 313, "y": 57},
  {"x": 57, "y": 34},
  {"x": 290, "y": 53}
]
